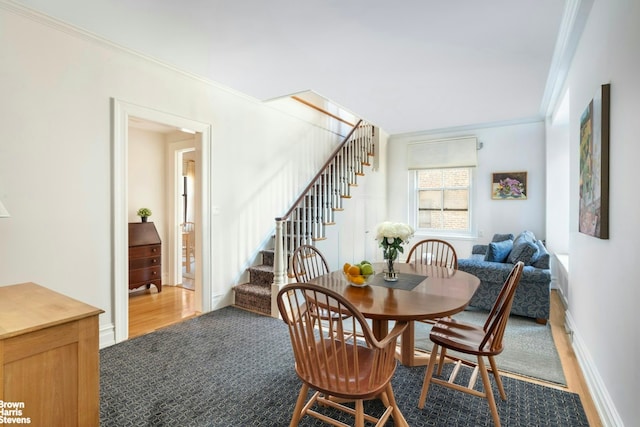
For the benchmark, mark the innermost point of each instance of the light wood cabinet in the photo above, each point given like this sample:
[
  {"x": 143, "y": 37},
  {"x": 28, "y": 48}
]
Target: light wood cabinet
[{"x": 49, "y": 357}]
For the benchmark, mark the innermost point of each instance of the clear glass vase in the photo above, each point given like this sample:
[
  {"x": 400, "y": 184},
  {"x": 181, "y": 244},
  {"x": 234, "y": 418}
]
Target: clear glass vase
[{"x": 389, "y": 273}]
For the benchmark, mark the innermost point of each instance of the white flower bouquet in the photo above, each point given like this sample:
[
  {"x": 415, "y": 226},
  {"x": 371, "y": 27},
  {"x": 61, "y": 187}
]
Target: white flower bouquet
[{"x": 391, "y": 236}]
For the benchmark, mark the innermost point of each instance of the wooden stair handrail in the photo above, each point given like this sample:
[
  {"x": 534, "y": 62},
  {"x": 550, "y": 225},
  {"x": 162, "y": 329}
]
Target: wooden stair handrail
[
  {"x": 321, "y": 171},
  {"x": 323, "y": 111}
]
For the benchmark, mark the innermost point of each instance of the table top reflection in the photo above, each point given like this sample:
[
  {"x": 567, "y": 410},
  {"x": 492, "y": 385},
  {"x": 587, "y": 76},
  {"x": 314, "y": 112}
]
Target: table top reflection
[{"x": 442, "y": 292}]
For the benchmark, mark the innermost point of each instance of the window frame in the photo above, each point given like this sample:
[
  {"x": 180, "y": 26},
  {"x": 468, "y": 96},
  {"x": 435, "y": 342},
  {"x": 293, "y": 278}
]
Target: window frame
[{"x": 436, "y": 232}]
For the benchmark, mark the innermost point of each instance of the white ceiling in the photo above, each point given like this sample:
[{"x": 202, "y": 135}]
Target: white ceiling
[{"x": 405, "y": 66}]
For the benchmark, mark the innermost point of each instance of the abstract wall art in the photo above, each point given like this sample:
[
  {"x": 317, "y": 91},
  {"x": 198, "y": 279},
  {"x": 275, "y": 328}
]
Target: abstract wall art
[{"x": 594, "y": 166}]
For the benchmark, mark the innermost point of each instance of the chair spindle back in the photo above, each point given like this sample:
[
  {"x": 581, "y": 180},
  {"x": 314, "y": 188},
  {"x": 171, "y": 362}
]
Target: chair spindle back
[
  {"x": 433, "y": 252},
  {"x": 307, "y": 262}
]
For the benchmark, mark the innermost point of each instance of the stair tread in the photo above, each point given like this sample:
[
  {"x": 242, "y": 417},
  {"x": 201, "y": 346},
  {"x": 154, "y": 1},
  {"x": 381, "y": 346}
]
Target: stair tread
[
  {"x": 261, "y": 267},
  {"x": 258, "y": 288},
  {"x": 253, "y": 297}
]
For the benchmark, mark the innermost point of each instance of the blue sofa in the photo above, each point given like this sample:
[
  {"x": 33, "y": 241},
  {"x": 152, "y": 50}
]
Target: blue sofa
[{"x": 492, "y": 263}]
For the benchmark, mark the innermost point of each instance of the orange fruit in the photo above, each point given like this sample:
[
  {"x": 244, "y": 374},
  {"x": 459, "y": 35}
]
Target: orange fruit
[
  {"x": 354, "y": 270},
  {"x": 346, "y": 267},
  {"x": 358, "y": 280}
]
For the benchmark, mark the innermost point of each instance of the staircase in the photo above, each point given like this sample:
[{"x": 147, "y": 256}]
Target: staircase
[
  {"x": 305, "y": 222},
  {"x": 255, "y": 295}
]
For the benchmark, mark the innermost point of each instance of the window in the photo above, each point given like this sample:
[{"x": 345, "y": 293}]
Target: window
[{"x": 442, "y": 200}]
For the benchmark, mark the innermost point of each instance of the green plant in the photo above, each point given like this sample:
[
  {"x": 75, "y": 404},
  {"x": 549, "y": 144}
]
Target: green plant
[{"x": 144, "y": 212}]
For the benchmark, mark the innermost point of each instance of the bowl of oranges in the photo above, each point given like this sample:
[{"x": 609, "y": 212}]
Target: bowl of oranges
[{"x": 358, "y": 274}]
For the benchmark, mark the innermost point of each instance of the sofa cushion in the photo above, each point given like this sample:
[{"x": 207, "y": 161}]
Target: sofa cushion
[
  {"x": 502, "y": 237},
  {"x": 498, "y": 251},
  {"x": 479, "y": 249},
  {"x": 497, "y": 272},
  {"x": 543, "y": 257},
  {"x": 524, "y": 249}
]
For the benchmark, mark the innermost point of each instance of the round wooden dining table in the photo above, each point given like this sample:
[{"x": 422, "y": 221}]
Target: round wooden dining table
[{"x": 421, "y": 292}]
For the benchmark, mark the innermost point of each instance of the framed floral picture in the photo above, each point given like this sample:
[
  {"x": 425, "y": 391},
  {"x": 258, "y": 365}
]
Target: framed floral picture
[{"x": 509, "y": 186}]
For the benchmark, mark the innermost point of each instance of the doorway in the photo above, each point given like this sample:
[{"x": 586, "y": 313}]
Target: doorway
[
  {"x": 122, "y": 113},
  {"x": 186, "y": 262}
]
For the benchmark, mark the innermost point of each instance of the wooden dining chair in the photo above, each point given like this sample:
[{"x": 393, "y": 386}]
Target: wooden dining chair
[
  {"x": 480, "y": 341},
  {"x": 332, "y": 362},
  {"x": 188, "y": 244},
  {"x": 307, "y": 262},
  {"x": 433, "y": 252}
]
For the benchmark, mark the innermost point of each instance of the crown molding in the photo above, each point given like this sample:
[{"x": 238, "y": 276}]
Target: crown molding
[
  {"x": 81, "y": 33},
  {"x": 573, "y": 21}
]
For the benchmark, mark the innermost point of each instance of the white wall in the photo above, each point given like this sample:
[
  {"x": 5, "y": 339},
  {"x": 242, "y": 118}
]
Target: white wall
[
  {"x": 352, "y": 238},
  {"x": 604, "y": 291},
  {"x": 146, "y": 169},
  {"x": 558, "y": 195},
  {"x": 57, "y": 87},
  {"x": 508, "y": 148},
  {"x": 558, "y": 178}
]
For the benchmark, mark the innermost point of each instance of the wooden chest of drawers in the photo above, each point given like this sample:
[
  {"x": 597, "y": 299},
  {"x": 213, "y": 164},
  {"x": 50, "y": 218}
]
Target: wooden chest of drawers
[{"x": 145, "y": 256}]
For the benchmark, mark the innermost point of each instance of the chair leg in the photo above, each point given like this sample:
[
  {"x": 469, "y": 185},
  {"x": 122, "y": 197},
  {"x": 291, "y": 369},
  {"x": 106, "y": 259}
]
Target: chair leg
[
  {"x": 427, "y": 376},
  {"x": 443, "y": 354},
  {"x": 359, "y": 413},
  {"x": 488, "y": 392},
  {"x": 389, "y": 400},
  {"x": 297, "y": 411},
  {"x": 398, "y": 418},
  {"x": 496, "y": 375}
]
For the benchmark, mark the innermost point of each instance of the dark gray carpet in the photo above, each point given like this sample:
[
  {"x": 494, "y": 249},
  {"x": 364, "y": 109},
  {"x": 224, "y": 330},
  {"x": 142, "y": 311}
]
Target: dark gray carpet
[
  {"x": 235, "y": 368},
  {"x": 529, "y": 349}
]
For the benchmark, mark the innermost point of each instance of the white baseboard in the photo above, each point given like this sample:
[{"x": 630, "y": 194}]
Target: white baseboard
[
  {"x": 563, "y": 298},
  {"x": 604, "y": 405},
  {"x": 107, "y": 335},
  {"x": 559, "y": 264}
]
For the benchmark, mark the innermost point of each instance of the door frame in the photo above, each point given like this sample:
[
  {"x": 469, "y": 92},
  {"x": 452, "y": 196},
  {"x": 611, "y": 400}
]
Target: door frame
[
  {"x": 176, "y": 153},
  {"x": 121, "y": 112}
]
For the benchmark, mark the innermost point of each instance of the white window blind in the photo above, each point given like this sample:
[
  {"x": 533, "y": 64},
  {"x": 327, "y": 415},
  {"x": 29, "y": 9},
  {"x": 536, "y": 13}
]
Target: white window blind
[{"x": 443, "y": 153}]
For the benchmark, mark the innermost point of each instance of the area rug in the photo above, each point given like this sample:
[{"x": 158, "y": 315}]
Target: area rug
[
  {"x": 529, "y": 348},
  {"x": 235, "y": 368}
]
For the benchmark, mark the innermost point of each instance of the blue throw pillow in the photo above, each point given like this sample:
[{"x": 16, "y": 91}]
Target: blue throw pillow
[
  {"x": 543, "y": 257},
  {"x": 524, "y": 249},
  {"x": 498, "y": 251}
]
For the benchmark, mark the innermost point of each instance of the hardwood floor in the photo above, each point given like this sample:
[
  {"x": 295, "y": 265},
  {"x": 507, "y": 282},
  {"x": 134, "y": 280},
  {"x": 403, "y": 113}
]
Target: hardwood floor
[
  {"x": 572, "y": 372},
  {"x": 150, "y": 310}
]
